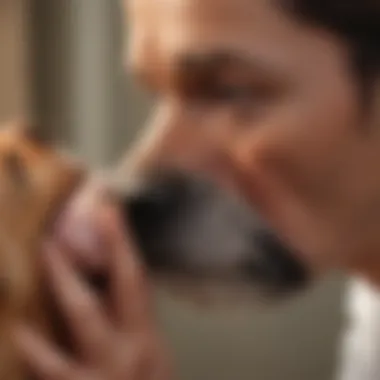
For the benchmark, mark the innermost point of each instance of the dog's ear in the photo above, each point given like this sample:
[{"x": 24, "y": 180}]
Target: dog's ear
[{"x": 30, "y": 131}]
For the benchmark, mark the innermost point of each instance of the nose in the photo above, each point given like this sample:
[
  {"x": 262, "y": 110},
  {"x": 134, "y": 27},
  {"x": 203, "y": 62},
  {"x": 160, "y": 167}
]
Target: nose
[{"x": 152, "y": 212}]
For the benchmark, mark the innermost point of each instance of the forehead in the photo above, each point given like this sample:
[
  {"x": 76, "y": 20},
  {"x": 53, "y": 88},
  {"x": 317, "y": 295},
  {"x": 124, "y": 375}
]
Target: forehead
[
  {"x": 181, "y": 11},
  {"x": 197, "y": 24},
  {"x": 160, "y": 31}
]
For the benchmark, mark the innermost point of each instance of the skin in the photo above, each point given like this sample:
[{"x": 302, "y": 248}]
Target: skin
[
  {"x": 116, "y": 340},
  {"x": 261, "y": 103},
  {"x": 269, "y": 107}
]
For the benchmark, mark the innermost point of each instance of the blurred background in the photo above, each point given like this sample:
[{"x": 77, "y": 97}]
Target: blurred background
[{"x": 60, "y": 61}]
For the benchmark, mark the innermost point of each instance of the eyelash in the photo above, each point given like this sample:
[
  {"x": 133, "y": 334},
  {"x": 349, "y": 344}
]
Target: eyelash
[
  {"x": 231, "y": 93},
  {"x": 237, "y": 94}
]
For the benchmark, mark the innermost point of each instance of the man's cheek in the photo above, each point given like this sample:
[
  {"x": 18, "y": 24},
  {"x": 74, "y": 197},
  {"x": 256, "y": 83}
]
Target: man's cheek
[
  {"x": 295, "y": 204},
  {"x": 292, "y": 185}
]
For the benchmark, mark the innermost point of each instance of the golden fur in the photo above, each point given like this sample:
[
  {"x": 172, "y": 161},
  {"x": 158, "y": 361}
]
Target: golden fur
[{"x": 34, "y": 181}]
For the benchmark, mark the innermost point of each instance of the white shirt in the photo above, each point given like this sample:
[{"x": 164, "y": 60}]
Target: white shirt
[{"x": 360, "y": 349}]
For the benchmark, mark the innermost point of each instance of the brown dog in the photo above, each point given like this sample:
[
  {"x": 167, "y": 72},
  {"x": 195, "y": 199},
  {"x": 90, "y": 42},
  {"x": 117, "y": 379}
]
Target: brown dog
[{"x": 34, "y": 183}]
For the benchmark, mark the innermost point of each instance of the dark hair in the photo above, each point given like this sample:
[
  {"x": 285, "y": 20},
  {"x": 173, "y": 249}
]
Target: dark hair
[{"x": 357, "y": 22}]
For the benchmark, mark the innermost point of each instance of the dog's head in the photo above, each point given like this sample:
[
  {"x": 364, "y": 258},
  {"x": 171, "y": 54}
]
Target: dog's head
[
  {"x": 191, "y": 231},
  {"x": 34, "y": 183},
  {"x": 266, "y": 136}
]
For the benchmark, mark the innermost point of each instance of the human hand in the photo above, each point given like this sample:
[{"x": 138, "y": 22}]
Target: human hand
[{"x": 116, "y": 340}]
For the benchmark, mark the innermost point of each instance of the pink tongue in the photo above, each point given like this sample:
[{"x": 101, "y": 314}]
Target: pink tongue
[{"x": 78, "y": 230}]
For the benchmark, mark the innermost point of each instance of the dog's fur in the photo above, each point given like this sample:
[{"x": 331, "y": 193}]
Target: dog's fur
[{"x": 34, "y": 182}]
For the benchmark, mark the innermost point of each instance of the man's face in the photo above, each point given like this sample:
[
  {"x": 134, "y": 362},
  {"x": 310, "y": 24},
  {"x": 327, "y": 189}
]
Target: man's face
[{"x": 267, "y": 108}]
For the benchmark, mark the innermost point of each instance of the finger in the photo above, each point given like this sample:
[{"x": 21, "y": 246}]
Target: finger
[
  {"x": 129, "y": 287},
  {"x": 79, "y": 305},
  {"x": 41, "y": 356}
]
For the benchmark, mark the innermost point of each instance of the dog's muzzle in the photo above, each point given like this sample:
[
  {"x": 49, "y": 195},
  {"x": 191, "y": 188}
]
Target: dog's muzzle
[{"x": 188, "y": 227}]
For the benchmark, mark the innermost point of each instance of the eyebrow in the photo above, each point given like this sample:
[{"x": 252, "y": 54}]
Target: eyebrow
[
  {"x": 206, "y": 64},
  {"x": 221, "y": 60}
]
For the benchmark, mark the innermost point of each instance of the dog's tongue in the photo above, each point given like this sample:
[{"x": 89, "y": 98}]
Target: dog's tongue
[{"x": 78, "y": 227}]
